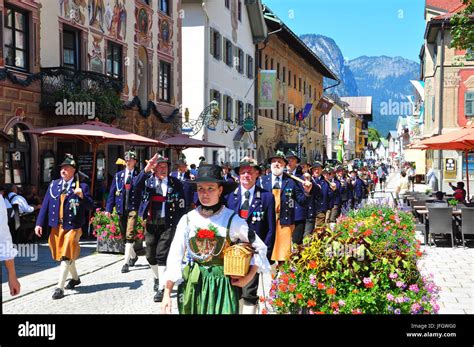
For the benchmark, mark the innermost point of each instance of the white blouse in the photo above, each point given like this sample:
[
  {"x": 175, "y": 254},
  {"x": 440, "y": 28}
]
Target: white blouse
[
  {"x": 7, "y": 251},
  {"x": 238, "y": 231}
]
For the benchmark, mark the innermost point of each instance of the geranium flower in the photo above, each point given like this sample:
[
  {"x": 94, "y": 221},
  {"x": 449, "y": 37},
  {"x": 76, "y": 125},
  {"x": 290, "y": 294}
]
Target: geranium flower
[
  {"x": 393, "y": 275},
  {"x": 299, "y": 296},
  {"x": 331, "y": 291},
  {"x": 311, "y": 303},
  {"x": 321, "y": 286}
]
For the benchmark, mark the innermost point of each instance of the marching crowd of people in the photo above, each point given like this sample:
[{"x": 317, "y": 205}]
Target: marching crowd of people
[{"x": 267, "y": 206}]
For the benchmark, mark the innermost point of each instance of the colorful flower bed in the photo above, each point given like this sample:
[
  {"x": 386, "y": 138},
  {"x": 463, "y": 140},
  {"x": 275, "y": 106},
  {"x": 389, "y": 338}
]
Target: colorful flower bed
[
  {"x": 107, "y": 226},
  {"x": 367, "y": 264}
]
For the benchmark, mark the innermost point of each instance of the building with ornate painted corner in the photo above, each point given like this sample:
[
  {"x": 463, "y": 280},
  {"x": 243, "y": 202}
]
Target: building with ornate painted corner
[
  {"x": 70, "y": 61},
  {"x": 296, "y": 82},
  {"x": 219, "y": 40},
  {"x": 448, "y": 76}
]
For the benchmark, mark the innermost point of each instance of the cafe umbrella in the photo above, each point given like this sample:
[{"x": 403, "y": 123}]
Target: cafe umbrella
[
  {"x": 95, "y": 133},
  {"x": 460, "y": 140}
]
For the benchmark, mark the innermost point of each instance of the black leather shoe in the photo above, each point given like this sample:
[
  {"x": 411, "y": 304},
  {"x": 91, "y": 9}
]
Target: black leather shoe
[
  {"x": 58, "y": 294},
  {"x": 159, "y": 295},
  {"x": 125, "y": 268},
  {"x": 72, "y": 283},
  {"x": 156, "y": 285},
  {"x": 132, "y": 262}
]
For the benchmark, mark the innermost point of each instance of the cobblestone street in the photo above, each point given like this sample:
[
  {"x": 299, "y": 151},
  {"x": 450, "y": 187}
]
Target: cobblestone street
[{"x": 105, "y": 290}]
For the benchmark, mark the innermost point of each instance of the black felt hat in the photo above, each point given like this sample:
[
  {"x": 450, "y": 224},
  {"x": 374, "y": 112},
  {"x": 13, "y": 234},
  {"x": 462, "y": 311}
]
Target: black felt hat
[
  {"x": 213, "y": 174},
  {"x": 69, "y": 160}
]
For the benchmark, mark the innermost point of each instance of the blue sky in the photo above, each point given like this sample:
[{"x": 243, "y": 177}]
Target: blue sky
[{"x": 359, "y": 27}]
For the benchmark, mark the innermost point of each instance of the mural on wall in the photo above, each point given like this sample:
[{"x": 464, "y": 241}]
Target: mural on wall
[
  {"x": 165, "y": 43},
  {"x": 96, "y": 62},
  {"x": 143, "y": 22},
  {"x": 73, "y": 10},
  {"x": 116, "y": 19},
  {"x": 96, "y": 14}
]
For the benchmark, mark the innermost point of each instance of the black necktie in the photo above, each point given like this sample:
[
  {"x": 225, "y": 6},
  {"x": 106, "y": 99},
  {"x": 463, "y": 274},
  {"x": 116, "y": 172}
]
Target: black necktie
[
  {"x": 64, "y": 191},
  {"x": 244, "y": 210},
  {"x": 277, "y": 183},
  {"x": 129, "y": 178}
]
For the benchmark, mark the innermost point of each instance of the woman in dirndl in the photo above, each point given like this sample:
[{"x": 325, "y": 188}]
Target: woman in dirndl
[{"x": 201, "y": 237}]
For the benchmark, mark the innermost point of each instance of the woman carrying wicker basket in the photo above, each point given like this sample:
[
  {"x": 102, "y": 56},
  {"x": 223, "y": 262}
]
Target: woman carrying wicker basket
[{"x": 209, "y": 282}]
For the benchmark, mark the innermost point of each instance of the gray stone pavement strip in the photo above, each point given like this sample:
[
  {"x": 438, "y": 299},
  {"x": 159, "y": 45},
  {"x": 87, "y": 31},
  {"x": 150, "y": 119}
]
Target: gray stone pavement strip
[
  {"x": 44, "y": 272},
  {"x": 105, "y": 290}
]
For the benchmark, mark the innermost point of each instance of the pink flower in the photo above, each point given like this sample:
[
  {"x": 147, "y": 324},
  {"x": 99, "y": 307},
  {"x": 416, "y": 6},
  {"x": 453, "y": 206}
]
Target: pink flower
[
  {"x": 400, "y": 284},
  {"x": 393, "y": 276},
  {"x": 414, "y": 288}
]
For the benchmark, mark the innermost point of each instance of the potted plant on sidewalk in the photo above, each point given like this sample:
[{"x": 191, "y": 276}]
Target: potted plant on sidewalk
[{"x": 106, "y": 228}]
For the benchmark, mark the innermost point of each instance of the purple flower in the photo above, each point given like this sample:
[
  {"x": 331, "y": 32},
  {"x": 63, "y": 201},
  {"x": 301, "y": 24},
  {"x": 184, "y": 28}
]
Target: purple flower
[
  {"x": 390, "y": 308},
  {"x": 390, "y": 297},
  {"x": 393, "y": 276},
  {"x": 414, "y": 288},
  {"x": 399, "y": 299},
  {"x": 397, "y": 311},
  {"x": 415, "y": 307}
]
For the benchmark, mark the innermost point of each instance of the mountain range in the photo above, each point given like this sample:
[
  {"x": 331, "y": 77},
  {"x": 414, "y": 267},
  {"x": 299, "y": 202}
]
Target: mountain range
[{"x": 386, "y": 79}]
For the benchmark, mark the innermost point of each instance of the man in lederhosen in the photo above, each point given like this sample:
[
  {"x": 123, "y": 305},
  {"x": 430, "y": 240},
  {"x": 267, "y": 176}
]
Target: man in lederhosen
[
  {"x": 64, "y": 209},
  {"x": 286, "y": 192},
  {"x": 162, "y": 206},
  {"x": 126, "y": 198},
  {"x": 257, "y": 207}
]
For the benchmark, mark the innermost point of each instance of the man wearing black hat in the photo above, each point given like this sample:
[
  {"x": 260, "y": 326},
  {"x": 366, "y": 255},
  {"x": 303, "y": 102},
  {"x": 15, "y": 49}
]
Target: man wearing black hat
[
  {"x": 257, "y": 207},
  {"x": 64, "y": 210},
  {"x": 126, "y": 198},
  {"x": 162, "y": 206},
  {"x": 287, "y": 193},
  {"x": 300, "y": 211}
]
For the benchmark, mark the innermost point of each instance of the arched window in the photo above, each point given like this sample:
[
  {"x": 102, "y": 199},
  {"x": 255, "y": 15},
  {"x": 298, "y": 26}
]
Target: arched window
[{"x": 18, "y": 161}]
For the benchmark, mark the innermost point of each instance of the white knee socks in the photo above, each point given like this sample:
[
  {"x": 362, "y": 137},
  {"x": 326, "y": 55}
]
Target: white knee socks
[
  {"x": 73, "y": 270},
  {"x": 63, "y": 272}
]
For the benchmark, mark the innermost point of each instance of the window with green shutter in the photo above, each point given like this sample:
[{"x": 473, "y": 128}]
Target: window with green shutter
[{"x": 469, "y": 103}]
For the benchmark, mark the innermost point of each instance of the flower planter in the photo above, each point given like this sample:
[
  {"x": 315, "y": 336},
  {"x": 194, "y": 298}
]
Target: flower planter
[{"x": 116, "y": 246}]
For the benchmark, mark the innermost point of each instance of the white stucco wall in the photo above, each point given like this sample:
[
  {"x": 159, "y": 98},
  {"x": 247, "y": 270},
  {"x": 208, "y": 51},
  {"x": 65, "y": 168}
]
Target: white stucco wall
[{"x": 210, "y": 73}]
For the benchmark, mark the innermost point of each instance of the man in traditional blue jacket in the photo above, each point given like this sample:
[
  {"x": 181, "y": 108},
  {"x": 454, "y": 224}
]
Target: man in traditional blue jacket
[
  {"x": 126, "y": 198},
  {"x": 358, "y": 188},
  {"x": 287, "y": 193},
  {"x": 322, "y": 199},
  {"x": 162, "y": 207},
  {"x": 184, "y": 175},
  {"x": 64, "y": 210},
  {"x": 335, "y": 186},
  {"x": 300, "y": 211},
  {"x": 257, "y": 207}
]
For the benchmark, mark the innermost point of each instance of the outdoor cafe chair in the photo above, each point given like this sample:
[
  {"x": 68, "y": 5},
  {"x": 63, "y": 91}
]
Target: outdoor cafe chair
[{"x": 441, "y": 222}]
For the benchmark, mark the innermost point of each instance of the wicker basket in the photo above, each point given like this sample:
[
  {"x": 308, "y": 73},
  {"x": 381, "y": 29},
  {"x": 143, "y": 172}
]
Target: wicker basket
[{"x": 237, "y": 259}]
